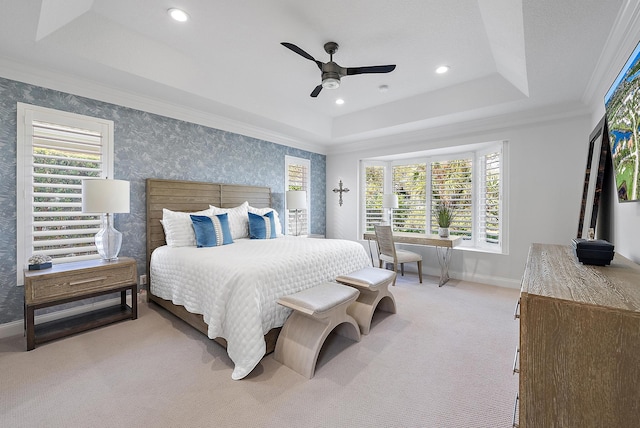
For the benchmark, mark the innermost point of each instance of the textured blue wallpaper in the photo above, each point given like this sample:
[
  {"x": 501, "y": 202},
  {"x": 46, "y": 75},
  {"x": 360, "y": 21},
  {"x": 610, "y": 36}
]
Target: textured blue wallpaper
[{"x": 146, "y": 145}]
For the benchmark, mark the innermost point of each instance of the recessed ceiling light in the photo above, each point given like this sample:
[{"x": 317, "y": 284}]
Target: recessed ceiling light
[
  {"x": 339, "y": 101},
  {"x": 442, "y": 69},
  {"x": 178, "y": 14}
]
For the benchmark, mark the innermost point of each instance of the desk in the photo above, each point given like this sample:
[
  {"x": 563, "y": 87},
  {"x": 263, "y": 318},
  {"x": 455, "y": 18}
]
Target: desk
[{"x": 443, "y": 247}]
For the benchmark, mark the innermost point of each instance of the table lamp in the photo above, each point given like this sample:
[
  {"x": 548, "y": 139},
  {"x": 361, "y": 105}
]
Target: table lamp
[
  {"x": 296, "y": 200},
  {"x": 106, "y": 197},
  {"x": 390, "y": 201}
]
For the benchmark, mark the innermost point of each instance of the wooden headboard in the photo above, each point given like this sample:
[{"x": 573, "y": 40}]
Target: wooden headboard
[{"x": 189, "y": 196}]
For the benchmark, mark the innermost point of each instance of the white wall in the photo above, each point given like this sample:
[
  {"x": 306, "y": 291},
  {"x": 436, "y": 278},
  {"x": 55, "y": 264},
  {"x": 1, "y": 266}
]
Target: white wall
[{"x": 546, "y": 173}]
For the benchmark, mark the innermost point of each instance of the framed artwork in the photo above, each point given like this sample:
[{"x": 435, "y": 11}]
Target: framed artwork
[{"x": 623, "y": 109}]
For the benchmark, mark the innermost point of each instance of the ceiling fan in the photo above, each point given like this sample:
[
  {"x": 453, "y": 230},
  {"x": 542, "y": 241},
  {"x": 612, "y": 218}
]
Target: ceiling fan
[{"x": 332, "y": 72}]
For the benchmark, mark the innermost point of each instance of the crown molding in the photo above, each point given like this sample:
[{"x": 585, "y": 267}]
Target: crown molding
[
  {"x": 10, "y": 69},
  {"x": 624, "y": 36},
  {"x": 463, "y": 128}
]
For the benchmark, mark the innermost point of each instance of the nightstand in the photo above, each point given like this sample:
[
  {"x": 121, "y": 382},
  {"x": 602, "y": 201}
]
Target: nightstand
[{"x": 68, "y": 282}]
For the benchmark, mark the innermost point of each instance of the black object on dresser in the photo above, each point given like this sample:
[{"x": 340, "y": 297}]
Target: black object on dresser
[{"x": 593, "y": 251}]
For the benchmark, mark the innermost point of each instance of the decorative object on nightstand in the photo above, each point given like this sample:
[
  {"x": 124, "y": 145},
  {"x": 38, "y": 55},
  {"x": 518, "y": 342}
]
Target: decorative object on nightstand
[
  {"x": 340, "y": 190},
  {"x": 296, "y": 201},
  {"x": 445, "y": 214},
  {"x": 106, "y": 197},
  {"x": 390, "y": 201},
  {"x": 39, "y": 262}
]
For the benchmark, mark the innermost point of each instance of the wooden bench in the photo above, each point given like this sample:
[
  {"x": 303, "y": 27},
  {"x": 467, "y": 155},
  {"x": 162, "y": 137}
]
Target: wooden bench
[
  {"x": 317, "y": 311},
  {"x": 373, "y": 284}
]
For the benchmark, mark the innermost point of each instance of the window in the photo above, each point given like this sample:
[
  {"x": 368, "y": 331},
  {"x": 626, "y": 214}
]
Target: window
[
  {"x": 471, "y": 180},
  {"x": 451, "y": 183},
  {"x": 297, "y": 173},
  {"x": 409, "y": 183},
  {"x": 56, "y": 150},
  {"x": 373, "y": 194}
]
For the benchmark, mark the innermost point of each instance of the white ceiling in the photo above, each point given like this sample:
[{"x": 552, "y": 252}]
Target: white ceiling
[{"x": 227, "y": 62}]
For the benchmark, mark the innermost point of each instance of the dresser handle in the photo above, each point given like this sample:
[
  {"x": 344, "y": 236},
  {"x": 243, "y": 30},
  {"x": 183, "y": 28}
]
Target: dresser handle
[
  {"x": 85, "y": 281},
  {"x": 515, "y": 412},
  {"x": 516, "y": 313},
  {"x": 515, "y": 362}
]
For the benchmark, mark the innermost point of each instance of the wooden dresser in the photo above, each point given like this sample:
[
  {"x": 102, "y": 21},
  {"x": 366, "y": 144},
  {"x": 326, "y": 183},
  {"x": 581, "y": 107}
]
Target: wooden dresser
[{"x": 579, "y": 361}]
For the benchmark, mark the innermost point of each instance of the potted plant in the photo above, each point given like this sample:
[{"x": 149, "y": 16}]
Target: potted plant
[{"x": 445, "y": 214}]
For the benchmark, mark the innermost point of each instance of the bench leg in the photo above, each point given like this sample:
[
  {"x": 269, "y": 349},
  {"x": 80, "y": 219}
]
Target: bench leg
[
  {"x": 302, "y": 338},
  {"x": 362, "y": 310}
]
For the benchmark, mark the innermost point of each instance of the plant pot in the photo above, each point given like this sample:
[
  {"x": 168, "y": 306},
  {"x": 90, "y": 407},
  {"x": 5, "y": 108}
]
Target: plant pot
[{"x": 443, "y": 232}]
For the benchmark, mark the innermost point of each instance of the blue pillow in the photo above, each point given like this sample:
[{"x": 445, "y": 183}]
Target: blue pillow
[
  {"x": 211, "y": 231},
  {"x": 262, "y": 227}
]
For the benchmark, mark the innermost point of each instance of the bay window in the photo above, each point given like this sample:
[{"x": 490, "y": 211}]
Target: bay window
[{"x": 470, "y": 179}]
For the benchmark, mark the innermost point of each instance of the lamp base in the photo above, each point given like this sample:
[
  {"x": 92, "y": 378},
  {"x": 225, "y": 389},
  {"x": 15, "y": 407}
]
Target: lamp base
[{"x": 108, "y": 239}]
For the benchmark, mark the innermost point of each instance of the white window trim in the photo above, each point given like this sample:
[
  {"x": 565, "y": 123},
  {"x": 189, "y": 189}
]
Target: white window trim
[
  {"x": 26, "y": 114},
  {"x": 474, "y": 151}
]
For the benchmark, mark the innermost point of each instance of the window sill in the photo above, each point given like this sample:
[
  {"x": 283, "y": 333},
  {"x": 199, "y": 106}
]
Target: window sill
[{"x": 497, "y": 251}]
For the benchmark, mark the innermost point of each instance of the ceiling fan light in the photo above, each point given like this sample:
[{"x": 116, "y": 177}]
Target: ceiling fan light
[{"x": 330, "y": 83}]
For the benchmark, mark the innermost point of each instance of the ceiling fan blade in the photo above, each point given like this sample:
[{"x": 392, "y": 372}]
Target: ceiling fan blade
[
  {"x": 301, "y": 52},
  {"x": 372, "y": 69},
  {"x": 316, "y": 91}
]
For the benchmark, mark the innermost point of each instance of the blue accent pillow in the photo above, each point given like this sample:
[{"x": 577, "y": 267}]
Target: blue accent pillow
[
  {"x": 211, "y": 231},
  {"x": 262, "y": 227}
]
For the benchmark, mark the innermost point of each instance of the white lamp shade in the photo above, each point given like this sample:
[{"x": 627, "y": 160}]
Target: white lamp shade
[
  {"x": 296, "y": 200},
  {"x": 105, "y": 196},
  {"x": 390, "y": 200}
]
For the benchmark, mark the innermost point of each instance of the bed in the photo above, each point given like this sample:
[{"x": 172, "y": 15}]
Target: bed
[{"x": 229, "y": 292}]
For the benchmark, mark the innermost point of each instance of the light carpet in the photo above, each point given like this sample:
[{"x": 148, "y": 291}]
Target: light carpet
[{"x": 444, "y": 360}]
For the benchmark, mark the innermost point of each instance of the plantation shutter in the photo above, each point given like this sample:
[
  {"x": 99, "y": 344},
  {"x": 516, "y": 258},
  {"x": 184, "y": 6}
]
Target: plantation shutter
[
  {"x": 451, "y": 183},
  {"x": 409, "y": 183},
  {"x": 298, "y": 179},
  {"x": 62, "y": 157},
  {"x": 489, "y": 199},
  {"x": 56, "y": 151},
  {"x": 373, "y": 191}
]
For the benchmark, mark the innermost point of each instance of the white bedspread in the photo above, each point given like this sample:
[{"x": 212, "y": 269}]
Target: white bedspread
[{"x": 235, "y": 287}]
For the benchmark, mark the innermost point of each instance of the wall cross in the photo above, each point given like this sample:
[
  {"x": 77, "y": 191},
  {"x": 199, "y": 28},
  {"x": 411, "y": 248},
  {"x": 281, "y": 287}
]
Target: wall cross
[{"x": 340, "y": 190}]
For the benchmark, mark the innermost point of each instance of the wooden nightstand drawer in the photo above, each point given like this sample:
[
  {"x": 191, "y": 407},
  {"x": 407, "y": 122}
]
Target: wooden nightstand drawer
[{"x": 70, "y": 285}]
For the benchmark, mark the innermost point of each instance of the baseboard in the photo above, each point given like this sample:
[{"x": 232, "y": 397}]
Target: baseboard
[
  {"x": 17, "y": 327},
  {"x": 489, "y": 280},
  {"x": 462, "y": 276}
]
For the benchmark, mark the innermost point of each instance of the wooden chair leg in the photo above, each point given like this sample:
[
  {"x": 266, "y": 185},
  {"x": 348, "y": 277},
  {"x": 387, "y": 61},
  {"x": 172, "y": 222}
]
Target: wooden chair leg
[
  {"x": 402, "y": 269},
  {"x": 420, "y": 270}
]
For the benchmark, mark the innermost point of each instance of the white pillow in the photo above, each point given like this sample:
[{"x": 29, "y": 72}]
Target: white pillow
[
  {"x": 263, "y": 211},
  {"x": 238, "y": 219},
  {"x": 178, "y": 229}
]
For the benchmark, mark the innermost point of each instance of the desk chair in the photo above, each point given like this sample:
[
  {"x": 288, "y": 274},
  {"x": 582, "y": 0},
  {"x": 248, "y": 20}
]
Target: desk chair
[{"x": 387, "y": 252}]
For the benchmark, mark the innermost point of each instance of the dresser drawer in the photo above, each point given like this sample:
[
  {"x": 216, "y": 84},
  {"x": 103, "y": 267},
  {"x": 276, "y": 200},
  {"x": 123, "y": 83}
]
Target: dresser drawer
[{"x": 70, "y": 284}]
